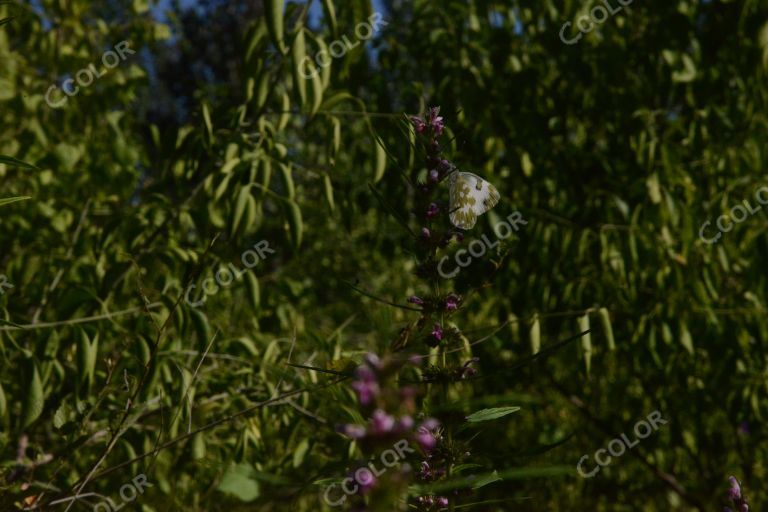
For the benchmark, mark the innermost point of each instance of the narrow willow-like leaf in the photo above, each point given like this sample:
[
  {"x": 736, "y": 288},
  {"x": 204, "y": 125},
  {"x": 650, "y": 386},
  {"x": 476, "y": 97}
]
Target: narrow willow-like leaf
[
  {"x": 298, "y": 54},
  {"x": 535, "y": 335},
  {"x": 491, "y": 414},
  {"x": 241, "y": 203},
  {"x": 328, "y": 188},
  {"x": 296, "y": 224},
  {"x": 605, "y": 320},
  {"x": 9, "y": 200},
  {"x": 685, "y": 338},
  {"x": 330, "y": 13},
  {"x": 208, "y": 123},
  {"x": 586, "y": 341},
  {"x": 254, "y": 293},
  {"x": 3, "y": 403},
  {"x": 287, "y": 178},
  {"x": 34, "y": 398},
  {"x": 274, "y": 12},
  {"x": 15, "y": 162},
  {"x": 381, "y": 161},
  {"x": 317, "y": 94}
]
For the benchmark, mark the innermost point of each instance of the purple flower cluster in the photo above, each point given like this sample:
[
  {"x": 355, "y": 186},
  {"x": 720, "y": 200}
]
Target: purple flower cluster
[
  {"x": 450, "y": 302},
  {"x": 431, "y": 124},
  {"x": 734, "y": 494},
  {"x": 382, "y": 426},
  {"x": 433, "y": 502}
]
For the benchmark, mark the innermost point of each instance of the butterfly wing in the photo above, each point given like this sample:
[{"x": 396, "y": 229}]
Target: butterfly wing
[{"x": 470, "y": 196}]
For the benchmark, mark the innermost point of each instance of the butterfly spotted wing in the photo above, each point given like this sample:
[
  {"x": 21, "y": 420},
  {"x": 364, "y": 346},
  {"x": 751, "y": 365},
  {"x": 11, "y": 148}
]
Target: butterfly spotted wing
[{"x": 470, "y": 196}]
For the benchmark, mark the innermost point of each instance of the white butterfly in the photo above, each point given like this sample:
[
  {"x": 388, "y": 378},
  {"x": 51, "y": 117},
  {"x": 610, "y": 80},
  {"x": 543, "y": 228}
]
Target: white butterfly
[{"x": 470, "y": 196}]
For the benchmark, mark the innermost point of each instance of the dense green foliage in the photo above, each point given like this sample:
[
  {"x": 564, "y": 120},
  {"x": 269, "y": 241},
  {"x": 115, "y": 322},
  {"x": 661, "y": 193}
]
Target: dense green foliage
[{"x": 208, "y": 142}]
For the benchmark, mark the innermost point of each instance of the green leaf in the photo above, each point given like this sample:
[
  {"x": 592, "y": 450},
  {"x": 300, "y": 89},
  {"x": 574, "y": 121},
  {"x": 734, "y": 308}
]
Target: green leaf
[
  {"x": 486, "y": 480},
  {"x": 15, "y": 162},
  {"x": 300, "y": 452},
  {"x": 9, "y": 200},
  {"x": 330, "y": 14},
  {"x": 381, "y": 161},
  {"x": 296, "y": 224},
  {"x": 274, "y": 12},
  {"x": 87, "y": 351},
  {"x": 208, "y": 123},
  {"x": 586, "y": 341},
  {"x": 239, "y": 482},
  {"x": 328, "y": 188},
  {"x": 491, "y": 414},
  {"x": 3, "y": 403},
  {"x": 254, "y": 294},
  {"x": 241, "y": 203},
  {"x": 34, "y": 399},
  {"x": 685, "y": 338},
  {"x": 535, "y": 335},
  {"x": 605, "y": 320},
  {"x": 298, "y": 53}
]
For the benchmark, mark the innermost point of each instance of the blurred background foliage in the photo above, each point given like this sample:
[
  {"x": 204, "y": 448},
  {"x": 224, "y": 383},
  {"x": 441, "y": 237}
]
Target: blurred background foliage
[{"x": 616, "y": 150}]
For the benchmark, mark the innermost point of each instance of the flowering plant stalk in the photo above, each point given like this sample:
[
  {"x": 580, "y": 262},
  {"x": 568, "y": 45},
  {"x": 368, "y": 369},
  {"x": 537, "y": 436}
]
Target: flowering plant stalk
[{"x": 392, "y": 411}]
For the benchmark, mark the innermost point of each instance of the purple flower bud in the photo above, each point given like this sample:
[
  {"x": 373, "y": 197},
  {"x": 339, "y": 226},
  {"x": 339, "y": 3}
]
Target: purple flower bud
[
  {"x": 451, "y": 302},
  {"x": 381, "y": 422},
  {"x": 372, "y": 360},
  {"x": 351, "y": 431},
  {"x": 442, "y": 501},
  {"x": 435, "y": 121},
  {"x": 404, "y": 424},
  {"x": 427, "y": 500},
  {"x": 425, "y": 435},
  {"x": 434, "y": 175},
  {"x": 430, "y": 424},
  {"x": 734, "y": 492},
  {"x": 425, "y": 234},
  {"x": 418, "y": 124},
  {"x": 366, "y": 387},
  {"x": 424, "y": 471},
  {"x": 432, "y": 210},
  {"x": 437, "y": 332},
  {"x": 415, "y": 300},
  {"x": 365, "y": 478}
]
